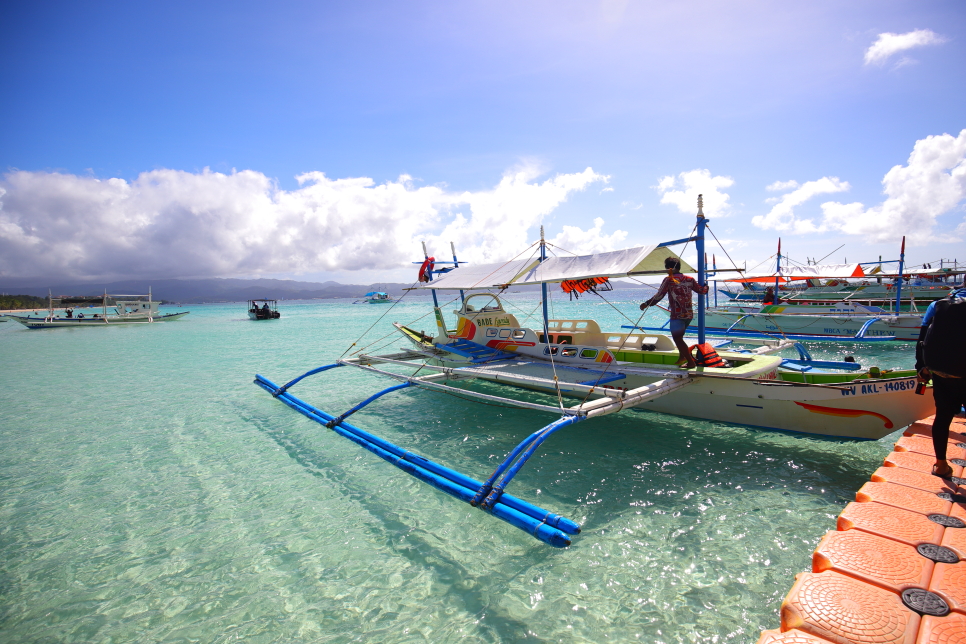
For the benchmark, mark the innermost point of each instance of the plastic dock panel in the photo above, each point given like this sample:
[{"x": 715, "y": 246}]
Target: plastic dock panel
[
  {"x": 957, "y": 430},
  {"x": 955, "y": 540},
  {"x": 903, "y": 497},
  {"x": 915, "y": 479},
  {"x": 875, "y": 560},
  {"x": 893, "y": 523},
  {"x": 949, "y": 582},
  {"x": 923, "y": 445},
  {"x": 789, "y": 637},
  {"x": 841, "y": 609},
  {"x": 915, "y": 461},
  {"x": 895, "y": 568},
  {"x": 942, "y": 630}
]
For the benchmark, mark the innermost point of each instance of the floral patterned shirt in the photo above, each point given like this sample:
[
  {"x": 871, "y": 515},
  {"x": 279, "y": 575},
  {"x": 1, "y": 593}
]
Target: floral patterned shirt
[{"x": 678, "y": 290}]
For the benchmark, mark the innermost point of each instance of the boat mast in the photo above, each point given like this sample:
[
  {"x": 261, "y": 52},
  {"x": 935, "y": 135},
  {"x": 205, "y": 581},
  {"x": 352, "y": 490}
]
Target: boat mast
[
  {"x": 778, "y": 270},
  {"x": 714, "y": 264},
  {"x": 902, "y": 259},
  {"x": 702, "y": 268},
  {"x": 429, "y": 274},
  {"x": 456, "y": 264},
  {"x": 543, "y": 289}
]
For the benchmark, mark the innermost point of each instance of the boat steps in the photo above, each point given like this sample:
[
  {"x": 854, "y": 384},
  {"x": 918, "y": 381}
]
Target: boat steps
[{"x": 477, "y": 353}]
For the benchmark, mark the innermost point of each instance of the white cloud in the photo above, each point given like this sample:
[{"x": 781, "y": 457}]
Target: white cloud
[
  {"x": 932, "y": 184},
  {"x": 782, "y": 215},
  {"x": 780, "y": 186},
  {"x": 889, "y": 44},
  {"x": 607, "y": 189},
  {"x": 692, "y": 184},
  {"x": 584, "y": 242},
  {"x": 169, "y": 223}
]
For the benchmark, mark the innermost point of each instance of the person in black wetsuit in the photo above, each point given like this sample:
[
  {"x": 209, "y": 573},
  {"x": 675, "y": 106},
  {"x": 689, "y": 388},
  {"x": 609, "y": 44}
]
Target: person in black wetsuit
[{"x": 941, "y": 356}]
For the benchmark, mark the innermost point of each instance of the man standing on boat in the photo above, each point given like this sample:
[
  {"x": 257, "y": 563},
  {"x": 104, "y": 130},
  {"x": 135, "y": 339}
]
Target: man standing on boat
[
  {"x": 941, "y": 356},
  {"x": 678, "y": 289}
]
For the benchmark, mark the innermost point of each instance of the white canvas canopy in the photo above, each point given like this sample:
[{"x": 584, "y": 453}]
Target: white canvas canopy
[
  {"x": 644, "y": 260},
  {"x": 471, "y": 276},
  {"x": 793, "y": 273}
]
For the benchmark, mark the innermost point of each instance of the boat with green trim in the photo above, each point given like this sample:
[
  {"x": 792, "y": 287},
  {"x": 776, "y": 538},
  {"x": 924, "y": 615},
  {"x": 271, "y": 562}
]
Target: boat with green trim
[{"x": 588, "y": 372}]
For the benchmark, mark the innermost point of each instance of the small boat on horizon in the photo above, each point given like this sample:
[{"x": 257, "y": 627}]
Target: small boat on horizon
[
  {"x": 376, "y": 297},
  {"x": 267, "y": 311}
]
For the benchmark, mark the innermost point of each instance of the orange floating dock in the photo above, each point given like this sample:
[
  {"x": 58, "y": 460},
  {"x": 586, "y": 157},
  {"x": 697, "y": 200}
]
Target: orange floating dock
[{"x": 894, "y": 570}]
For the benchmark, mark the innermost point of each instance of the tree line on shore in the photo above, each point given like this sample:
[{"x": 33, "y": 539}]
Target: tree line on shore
[{"x": 14, "y": 302}]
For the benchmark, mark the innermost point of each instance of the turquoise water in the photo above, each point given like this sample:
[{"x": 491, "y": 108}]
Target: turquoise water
[{"x": 149, "y": 492}]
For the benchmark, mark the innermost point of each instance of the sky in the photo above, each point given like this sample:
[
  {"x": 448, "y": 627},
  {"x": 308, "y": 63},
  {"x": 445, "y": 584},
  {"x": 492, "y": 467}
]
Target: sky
[{"x": 324, "y": 140}]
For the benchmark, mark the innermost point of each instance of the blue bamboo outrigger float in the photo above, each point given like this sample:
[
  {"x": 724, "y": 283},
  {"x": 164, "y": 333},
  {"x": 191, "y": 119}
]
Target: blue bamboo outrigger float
[{"x": 608, "y": 372}]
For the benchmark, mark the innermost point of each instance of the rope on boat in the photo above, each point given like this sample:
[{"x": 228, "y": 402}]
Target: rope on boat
[{"x": 385, "y": 313}]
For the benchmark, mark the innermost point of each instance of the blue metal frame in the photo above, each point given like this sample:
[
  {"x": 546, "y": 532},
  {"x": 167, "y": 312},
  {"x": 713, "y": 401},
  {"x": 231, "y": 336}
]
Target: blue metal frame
[
  {"x": 902, "y": 259},
  {"x": 784, "y": 336},
  {"x": 702, "y": 269},
  {"x": 546, "y": 526}
]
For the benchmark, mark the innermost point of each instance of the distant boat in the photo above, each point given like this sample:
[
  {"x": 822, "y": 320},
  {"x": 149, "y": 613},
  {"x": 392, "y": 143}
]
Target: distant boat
[
  {"x": 375, "y": 297},
  {"x": 124, "y": 309},
  {"x": 267, "y": 311}
]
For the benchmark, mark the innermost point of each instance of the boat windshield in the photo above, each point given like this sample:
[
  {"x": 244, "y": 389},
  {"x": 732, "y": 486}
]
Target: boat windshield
[{"x": 482, "y": 302}]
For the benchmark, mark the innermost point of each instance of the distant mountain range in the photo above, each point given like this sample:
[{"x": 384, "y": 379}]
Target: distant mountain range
[
  {"x": 224, "y": 290},
  {"x": 211, "y": 290}
]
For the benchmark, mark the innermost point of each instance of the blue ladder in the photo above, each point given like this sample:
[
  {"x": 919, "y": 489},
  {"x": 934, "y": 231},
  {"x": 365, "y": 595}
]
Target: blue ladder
[{"x": 477, "y": 353}]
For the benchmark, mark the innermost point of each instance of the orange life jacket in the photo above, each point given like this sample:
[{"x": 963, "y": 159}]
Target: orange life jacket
[
  {"x": 576, "y": 287},
  {"x": 706, "y": 356}
]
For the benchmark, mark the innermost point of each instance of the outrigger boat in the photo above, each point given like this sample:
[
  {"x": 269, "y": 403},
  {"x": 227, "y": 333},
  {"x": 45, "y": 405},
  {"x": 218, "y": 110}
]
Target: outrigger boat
[
  {"x": 375, "y": 297},
  {"x": 906, "y": 290},
  {"x": 600, "y": 373},
  {"x": 835, "y": 320},
  {"x": 124, "y": 309},
  {"x": 842, "y": 321}
]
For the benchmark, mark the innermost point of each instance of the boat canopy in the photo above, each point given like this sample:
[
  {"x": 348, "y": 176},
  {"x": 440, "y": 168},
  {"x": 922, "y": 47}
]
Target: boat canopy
[
  {"x": 473, "y": 276},
  {"x": 371, "y": 293},
  {"x": 81, "y": 299},
  {"x": 794, "y": 273},
  {"x": 643, "y": 260}
]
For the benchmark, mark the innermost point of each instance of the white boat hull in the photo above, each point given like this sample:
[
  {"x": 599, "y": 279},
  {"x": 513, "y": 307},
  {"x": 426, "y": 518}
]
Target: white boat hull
[
  {"x": 33, "y": 322},
  {"x": 863, "y": 409},
  {"x": 903, "y": 327}
]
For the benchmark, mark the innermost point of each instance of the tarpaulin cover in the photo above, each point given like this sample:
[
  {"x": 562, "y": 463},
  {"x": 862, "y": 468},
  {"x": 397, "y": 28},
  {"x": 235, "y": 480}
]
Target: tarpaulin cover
[
  {"x": 644, "y": 260},
  {"x": 470, "y": 276}
]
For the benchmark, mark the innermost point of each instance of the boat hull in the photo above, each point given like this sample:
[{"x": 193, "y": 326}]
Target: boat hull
[
  {"x": 56, "y": 323},
  {"x": 864, "y": 409},
  {"x": 903, "y": 327},
  {"x": 860, "y": 408}
]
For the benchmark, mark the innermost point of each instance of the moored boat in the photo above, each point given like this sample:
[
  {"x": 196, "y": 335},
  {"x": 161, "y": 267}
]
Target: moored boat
[
  {"x": 114, "y": 309},
  {"x": 263, "y": 310},
  {"x": 376, "y": 297},
  {"x": 600, "y": 373}
]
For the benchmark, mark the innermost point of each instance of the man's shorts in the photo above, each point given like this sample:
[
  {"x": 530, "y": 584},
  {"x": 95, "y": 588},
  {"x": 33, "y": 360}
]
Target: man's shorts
[
  {"x": 678, "y": 327},
  {"x": 950, "y": 394}
]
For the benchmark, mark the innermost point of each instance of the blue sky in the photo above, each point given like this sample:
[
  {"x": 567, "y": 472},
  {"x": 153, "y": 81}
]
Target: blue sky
[{"x": 165, "y": 139}]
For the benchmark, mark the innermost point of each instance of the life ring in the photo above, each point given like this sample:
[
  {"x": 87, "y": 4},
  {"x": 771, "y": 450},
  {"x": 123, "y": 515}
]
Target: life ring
[{"x": 425, "y": 271}]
